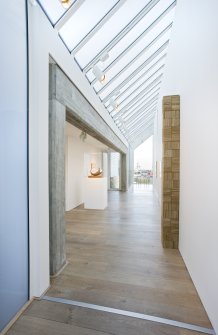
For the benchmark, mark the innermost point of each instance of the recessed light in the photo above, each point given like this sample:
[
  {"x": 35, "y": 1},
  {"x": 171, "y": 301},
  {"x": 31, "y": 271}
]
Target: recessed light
[{"x": 66, "y": 3}]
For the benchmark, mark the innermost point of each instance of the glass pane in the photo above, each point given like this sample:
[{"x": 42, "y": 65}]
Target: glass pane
[
  {"x": 13, "y": 167},
  {"x": 83, "y": 20},
  {"x": 159, "y": 60},
  {"x": 142, "y": 113},
  {"x": 130, "y": 69},
  {"x": 142, "y": 83},
  {"x": 139, "y": 105},
  {"x": 145, "y": 108},
  {"x": 113, "y": 26},
  {"x": 139, "y": 83},
  {"x": 128, "y": 103},
  {"x": 135, "y": 78},
  {"x": 136, "y": 32},
  {"x": 139, "y": 90},
  {"x": 54, "y": 9}
]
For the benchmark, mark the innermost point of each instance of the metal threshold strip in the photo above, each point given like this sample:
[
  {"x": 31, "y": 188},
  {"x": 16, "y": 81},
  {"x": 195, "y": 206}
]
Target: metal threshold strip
[{"x": 131, "y": 314}]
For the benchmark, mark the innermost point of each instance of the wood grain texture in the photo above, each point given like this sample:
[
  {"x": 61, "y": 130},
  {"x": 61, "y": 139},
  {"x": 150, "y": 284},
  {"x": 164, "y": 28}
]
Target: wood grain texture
[
  {"x": 116, "y": 260},
  {"x": 49, "y": 318}
]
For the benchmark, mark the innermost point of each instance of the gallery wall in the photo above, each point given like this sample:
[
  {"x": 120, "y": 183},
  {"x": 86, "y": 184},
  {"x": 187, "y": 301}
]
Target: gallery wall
[
  {"x": 192, "y": 73},
  {"x": 75, "y": 170}
]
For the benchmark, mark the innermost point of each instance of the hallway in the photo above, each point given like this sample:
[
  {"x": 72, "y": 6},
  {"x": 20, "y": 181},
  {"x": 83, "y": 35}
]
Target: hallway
[{"x": 116, "y": 260}]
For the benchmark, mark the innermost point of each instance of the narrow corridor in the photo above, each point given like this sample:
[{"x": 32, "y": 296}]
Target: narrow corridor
[{"x": 115, "y": 259}]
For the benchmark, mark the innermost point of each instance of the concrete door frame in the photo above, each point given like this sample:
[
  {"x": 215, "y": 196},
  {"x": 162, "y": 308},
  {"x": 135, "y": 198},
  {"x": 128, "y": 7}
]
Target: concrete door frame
[{"x": 66, "y": 103}]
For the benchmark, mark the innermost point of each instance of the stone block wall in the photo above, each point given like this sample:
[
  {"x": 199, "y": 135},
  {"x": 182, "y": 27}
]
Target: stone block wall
[{"x": 170, "y": 171}]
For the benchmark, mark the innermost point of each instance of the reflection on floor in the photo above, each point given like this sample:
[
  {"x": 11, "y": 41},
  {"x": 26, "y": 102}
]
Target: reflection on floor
[{"x": 116, "y": 260}]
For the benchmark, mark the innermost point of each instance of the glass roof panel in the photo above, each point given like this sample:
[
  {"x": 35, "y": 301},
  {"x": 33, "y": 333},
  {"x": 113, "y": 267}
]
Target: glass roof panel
[
  {"x": 128, "y": 114},
  {"x": 158, "y": 59},
  {"x": 141, "y": 48},
  {"x": 130, "y": 69},
  {"x": 53, "y": 9},
  {"x": 141, "y": 114},
  {"x": 140, "y": 84},
  {"x": 138, "y": 80},
  {"x": 135, "y": 97},
  {"x": 137, "y": 31},
  {"x": 146, "y": 102},
  {"x": 110, "y": 29},
  {"x": 120, "y": 65},
  {"x": 83, "y": 20},
  {"x": 137, "y": 51}
]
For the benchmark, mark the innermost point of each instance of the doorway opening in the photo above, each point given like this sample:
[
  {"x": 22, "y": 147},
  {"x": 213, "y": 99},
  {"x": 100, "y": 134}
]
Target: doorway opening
[
  {"x": 143, "y": 165},
  {"x": 114, "y": 171}
]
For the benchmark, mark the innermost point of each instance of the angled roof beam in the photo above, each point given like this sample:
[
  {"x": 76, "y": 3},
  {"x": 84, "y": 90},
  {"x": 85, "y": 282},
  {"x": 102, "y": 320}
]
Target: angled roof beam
[
  {"x": 139, "y": 87},
  {"x": 147, "y": 47},
  {"x": 144, "y": 108},
  {"x": 135, "y": 81},
  {"x": 138, "y": 69},
  {"x": 142, "y": 76},
  {"x": 121, "y": 34},
  {"x": 142, "y": 126},
  {"x": 143, "y": 117},
  {"x": 144, "y": 98},
  {"x": 126, "y": 115},
  {"x": 138, "y": 97},
  {"x": 146, "y": 111},
  {"x": 126, "y": 68},
  {"x": 134, "y": 130},
  {"x": 140, "y": 122},
  {"x": 145, "y": 131},
  {"x": 143, "y": 112},
  {"x": 142, "y": 137},
  {"x": 68, "y": 14},
  {"x": 98, "y": 26},
  {"x": 138, "y": 125}
]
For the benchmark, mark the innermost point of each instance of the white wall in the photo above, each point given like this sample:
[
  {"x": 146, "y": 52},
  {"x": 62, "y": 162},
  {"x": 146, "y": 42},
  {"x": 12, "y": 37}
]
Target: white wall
[
  {"x": 192, "y": 72},
  {"x": 13, "y": 167},
  {"x": 75, "y": 150},
  {"x": 44, "y": 40}
]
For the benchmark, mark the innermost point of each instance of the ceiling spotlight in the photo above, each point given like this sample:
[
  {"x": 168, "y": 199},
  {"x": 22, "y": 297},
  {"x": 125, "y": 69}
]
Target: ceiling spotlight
[
  {"x": 66, "y": 3},
  {"x": 104, "y": 57},
  {"x": 98, "y": 73},
  {"x": 113, "y": 103},
  {"x": 83, "y": 136}
]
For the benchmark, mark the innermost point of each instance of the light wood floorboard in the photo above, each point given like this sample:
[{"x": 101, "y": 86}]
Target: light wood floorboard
[
  {"x": 49, "y": 318},
  {"x": 116, "y": 260}
]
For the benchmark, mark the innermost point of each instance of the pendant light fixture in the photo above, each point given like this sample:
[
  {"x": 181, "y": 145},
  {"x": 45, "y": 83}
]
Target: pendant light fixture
[
  {"x": 98, "y": 73},
  {"x": 66, "y": 3}
]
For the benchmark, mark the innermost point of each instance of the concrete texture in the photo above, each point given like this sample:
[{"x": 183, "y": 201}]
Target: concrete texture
[
  {"x": 56, "y": 186},
  {"x": 80, "y": 112},
  {"x": 67, "y": 103}
]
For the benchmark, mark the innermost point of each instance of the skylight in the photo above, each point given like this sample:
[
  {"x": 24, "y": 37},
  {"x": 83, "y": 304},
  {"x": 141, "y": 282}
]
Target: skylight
[{"x": 120, "y": 47}]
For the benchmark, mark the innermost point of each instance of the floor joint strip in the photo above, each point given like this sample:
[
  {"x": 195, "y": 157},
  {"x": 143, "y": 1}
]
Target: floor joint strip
[{"x": 146, "y": 317}]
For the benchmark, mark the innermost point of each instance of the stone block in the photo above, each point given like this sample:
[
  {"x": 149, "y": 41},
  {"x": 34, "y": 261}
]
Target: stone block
[{"x": 170, "y": 171}]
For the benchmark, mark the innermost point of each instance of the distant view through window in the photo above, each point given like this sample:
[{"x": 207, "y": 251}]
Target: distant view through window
[{"x": 143, "y": 162}]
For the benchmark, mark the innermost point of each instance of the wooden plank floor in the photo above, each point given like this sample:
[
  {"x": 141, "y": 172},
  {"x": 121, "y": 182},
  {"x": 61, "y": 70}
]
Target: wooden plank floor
[{"x": 116, "y": 260}]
